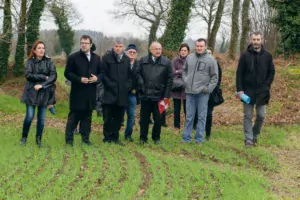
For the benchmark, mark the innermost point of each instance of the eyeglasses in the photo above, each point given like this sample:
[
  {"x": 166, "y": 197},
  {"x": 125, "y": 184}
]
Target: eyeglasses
[
  {"x": 84, "y": 43},
  {"x": 131, "y": 52}
]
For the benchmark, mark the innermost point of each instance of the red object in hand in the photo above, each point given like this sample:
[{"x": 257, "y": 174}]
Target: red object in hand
[{"x": 163, "y": 105}]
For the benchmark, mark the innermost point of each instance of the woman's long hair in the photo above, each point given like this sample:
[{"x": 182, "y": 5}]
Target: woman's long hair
[{"x": 34, "y": 46}]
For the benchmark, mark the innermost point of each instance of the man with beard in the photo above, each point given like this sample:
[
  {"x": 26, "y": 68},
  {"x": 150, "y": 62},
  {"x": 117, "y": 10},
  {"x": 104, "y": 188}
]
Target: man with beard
[{"x": 254, "y": 77}]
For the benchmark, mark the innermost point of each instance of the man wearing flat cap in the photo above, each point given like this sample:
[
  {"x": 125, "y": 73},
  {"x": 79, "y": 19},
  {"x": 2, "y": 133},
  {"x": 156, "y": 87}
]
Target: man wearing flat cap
[{"x": 131, "y": 52}]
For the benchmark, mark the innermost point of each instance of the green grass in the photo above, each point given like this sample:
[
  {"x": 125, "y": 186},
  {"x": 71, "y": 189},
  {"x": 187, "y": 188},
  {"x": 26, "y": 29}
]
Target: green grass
[
  {"x": 61, "y": 78},
  {"x": 113, "y": 172},
  {"x": 219, "y": 169},
  {"x": 11, "y": 105}
]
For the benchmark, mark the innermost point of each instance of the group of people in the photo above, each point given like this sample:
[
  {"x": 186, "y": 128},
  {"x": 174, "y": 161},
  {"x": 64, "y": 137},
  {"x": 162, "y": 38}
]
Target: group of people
[{"x": 191, "y": 79}]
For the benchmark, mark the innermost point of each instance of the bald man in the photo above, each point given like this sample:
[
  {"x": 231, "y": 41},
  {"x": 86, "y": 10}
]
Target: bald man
[{"x": 155, "y": 83}]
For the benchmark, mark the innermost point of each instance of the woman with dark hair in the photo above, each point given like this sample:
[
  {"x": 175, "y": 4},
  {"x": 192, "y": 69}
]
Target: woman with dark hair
[
  {"x": 178, "y": 91},
  {"x": 40, "y": 74}
]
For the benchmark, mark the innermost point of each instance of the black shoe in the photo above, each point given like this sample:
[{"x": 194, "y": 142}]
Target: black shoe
[
  {"x": 23, "y": 141},
  {"x": 130, "y": 139},
  {"x": 119, "y": 143},
  {"x": 248, "y": 143},
  {"x": 38, "y": 141},
  {"x": 142, "y": 142},
  {"x": 255, "y": 142},
  {"x": 157, "y": 142},
  {"x": 207, "y": 137},
  {"x": 69, "y": 144},
  {"x": 88, "y": 143}
]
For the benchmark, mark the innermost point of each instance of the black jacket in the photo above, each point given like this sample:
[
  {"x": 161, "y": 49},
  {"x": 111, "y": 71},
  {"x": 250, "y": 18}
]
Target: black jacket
[
  {"x": 36, "y": 73},
  {"x": 155, "y": 78},
  {"x": 135, "y": 70},
  {"x": 82, "y": 96},
  {"x": 116, "y": 79},
  {"x": 255, "y": 75},
  {"x": 217, "y": 88}
]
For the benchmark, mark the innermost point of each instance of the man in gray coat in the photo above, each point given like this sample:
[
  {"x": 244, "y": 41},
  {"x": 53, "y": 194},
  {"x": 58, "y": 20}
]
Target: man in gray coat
[{"x": 200, "y": 77}]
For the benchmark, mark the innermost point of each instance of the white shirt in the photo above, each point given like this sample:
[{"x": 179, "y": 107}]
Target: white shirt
[
  {"x": 153, "y": 59},
  {"x": 88, "y": 55}
]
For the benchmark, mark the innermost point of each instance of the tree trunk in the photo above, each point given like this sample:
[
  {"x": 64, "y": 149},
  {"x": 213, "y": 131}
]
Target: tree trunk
[
  {"x": 33, "y": 23},
  {"x": 217, "y": 23},
  {"x": 245, "y": 25},
  {"x": 20, "y": 50},
  {"x": 5, "y": 41},
  {"x": 153, "y": 31},
  {"x": 208, "y": 30},
  {"x": 234, "y": 29},
  {"x": 176, "y": 24}
]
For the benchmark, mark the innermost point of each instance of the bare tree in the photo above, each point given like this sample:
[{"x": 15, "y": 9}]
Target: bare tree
[
  {"x": 70, "y": 11},
  {"x": 150, "y": 13},
  {"x": 20, "y": 48},
  {"x": 234, "y": 29},
  {"x": 211, "y": 12},
  {"x": 245, "y": 25},
  {"x": 212, "y": 37},
  {"x": 206, "y": 10},
  {"x": 260, "y": 15}
]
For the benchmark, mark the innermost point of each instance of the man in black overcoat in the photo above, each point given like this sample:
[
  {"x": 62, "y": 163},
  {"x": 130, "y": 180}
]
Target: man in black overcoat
[{"x": 83, "y": 69}]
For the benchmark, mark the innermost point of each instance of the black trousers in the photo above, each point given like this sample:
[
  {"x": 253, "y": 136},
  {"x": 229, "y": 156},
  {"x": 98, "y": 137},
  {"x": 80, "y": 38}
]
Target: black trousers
[
  {"x": 163, "y": 118},
  {"x": 148, "y": 107},
  {"x": 113, "y": 118},
  {"x": 177, "y": 110},
  {"x": 85, "y": 118},
  {"x": 209, "y": 119}
]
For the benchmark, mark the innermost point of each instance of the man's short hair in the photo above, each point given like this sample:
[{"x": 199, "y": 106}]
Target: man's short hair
[
  {"x": 119, "y": 41},
  {"x": 85, "y": 37},
  {"x": 256, "y": 33},
  {"x": 202, "y": 40}
]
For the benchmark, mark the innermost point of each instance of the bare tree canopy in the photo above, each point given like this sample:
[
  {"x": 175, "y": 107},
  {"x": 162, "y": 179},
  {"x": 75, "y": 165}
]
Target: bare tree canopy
[
  {"x": 70, "y": 11},
  {"x": 209, "y": 11},
  {"x": 150, "y": 13},
  {"x": 260, "y": 15}
]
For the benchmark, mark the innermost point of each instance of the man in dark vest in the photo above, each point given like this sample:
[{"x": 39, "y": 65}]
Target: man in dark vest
[
  {"x": 117, "y": 84},
  {"x": 83, "y": 69},
  {"x": 254, "y": 77},
  {"x": 155, "y": 83}
]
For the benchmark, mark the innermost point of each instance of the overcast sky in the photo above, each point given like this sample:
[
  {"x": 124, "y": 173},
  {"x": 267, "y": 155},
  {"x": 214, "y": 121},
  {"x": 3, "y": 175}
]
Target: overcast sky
[{"x": 95, "y": 14}]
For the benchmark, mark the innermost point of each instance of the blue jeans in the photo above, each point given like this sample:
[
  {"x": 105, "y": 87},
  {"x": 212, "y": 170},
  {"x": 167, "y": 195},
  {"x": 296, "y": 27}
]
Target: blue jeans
[
  {"x": 130, "y": 111},
  {"x": 30, "y": 110},
  {"x": 195, "y": 102}
]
